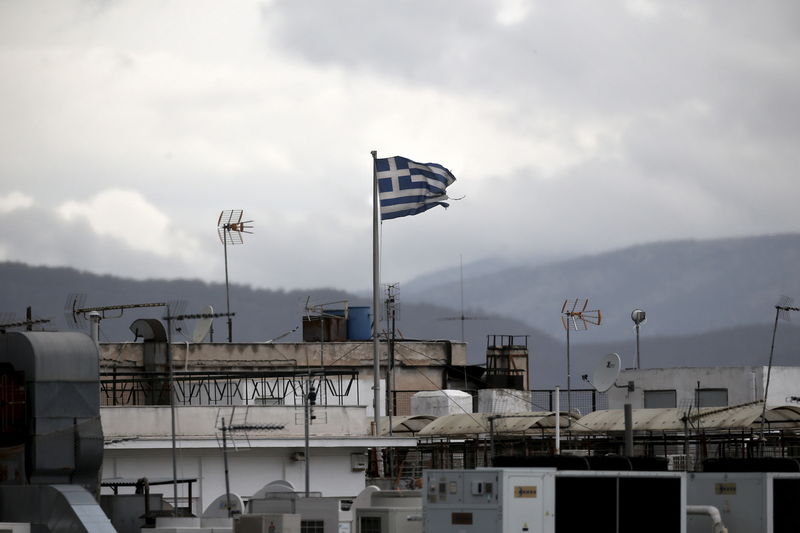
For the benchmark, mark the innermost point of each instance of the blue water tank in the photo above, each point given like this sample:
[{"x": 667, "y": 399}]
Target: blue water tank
[{"x": 359, "y": 324}]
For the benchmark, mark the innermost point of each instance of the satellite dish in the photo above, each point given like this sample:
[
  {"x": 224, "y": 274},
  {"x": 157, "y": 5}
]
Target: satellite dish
[
  {"x": 203, "y": 325},
  {"x": 219, "y": 507},
  {"x": 606, "y": 373}
]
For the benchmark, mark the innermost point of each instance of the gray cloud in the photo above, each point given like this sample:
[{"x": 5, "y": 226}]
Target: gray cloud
[{"x": 575, "y": 127}]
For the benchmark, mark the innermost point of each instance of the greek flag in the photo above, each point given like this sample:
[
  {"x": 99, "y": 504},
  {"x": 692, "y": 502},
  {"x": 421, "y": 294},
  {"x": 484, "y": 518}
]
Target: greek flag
[{"x": 408, "y": 188}]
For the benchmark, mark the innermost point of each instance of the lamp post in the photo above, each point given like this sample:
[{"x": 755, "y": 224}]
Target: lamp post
[{"x": 638, "y": 316}]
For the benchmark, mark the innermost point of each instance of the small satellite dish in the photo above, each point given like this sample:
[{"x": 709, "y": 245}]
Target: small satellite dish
[
  {"x": 219, "y": 507},
  {"x": 203, "y": 325},
  {"x": 606, "y": 373}
]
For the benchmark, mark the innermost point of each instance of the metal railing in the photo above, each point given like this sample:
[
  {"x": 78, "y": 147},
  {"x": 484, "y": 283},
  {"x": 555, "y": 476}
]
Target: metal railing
[{"x": 126, "y": 388}]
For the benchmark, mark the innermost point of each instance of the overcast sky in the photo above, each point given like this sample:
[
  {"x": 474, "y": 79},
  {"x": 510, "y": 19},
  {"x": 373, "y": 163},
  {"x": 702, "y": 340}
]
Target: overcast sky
[{"x": 571, "y": 126}]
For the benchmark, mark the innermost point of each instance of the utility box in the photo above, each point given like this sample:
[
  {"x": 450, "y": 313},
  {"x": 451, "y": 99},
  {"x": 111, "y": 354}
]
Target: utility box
[
  {"x": 747, "y": 501},
  {"x": 489, "y": 500},
  {"x": 546, "y": 500}
]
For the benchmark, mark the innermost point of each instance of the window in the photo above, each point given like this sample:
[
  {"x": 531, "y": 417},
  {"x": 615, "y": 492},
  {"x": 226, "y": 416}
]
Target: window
[
  {"x": 654, "y": 399},
  {"x": 711, "y": 398},
  {"x": 370, "y": 524},
  {"x": 312, "y": 526}
]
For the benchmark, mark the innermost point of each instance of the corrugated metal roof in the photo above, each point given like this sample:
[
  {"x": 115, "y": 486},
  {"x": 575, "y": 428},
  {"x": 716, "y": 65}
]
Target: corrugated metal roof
[
  {"x": 405, "y": 424},
  {"x": 478, "y": 423},
  {"x": 734, "y": 417}
]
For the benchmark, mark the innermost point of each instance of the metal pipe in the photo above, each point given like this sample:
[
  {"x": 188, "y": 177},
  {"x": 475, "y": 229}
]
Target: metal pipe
[
  {"x": 307, "y": 429},
  {"x": 628, "y": 430},
  {"x": 225, "y": 460},
  {"x": 712, "y": 512},
  {"x": 172, "y": 414},
  {"x": 558, "y": 420},
  {"x": 94, "y": 318},
  {"x": 491, "y": 440}
]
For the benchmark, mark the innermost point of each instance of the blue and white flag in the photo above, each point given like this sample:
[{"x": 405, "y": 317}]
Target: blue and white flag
[{"x": 409, "y": 188}]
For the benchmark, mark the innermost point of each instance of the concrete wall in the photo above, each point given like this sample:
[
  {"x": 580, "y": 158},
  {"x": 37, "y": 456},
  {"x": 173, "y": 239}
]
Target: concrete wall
[
  {"x": 195, "y": 421},
  {"x": 234, "y": 356},
  {"x": 745, "y": 384}
]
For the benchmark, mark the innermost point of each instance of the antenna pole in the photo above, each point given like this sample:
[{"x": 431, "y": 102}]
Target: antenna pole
[
  {"x": 227, "y": 291},
  {"x": 569, "y": 379},
  {"x": 769, "y": 371}
]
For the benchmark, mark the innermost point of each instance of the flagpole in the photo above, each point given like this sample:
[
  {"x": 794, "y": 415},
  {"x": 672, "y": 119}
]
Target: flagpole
[{"x": 376, "y": 286}]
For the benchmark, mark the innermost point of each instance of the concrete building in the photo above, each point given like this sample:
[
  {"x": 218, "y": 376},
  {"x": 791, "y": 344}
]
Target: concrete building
[
  {"x": 704, "y": 386},
  {"x": 253, "y": 386}
]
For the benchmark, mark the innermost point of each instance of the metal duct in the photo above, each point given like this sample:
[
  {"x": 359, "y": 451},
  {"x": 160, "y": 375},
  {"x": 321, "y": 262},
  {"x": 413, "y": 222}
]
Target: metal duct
[{"x": 55, "y": 374}]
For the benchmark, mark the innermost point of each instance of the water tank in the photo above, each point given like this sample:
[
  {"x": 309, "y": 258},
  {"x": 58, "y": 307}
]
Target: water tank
[{"x": 359, "y": 324}]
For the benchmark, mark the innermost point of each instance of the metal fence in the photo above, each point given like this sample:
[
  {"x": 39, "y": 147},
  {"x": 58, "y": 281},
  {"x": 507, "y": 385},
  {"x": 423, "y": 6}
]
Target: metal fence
[{"x": 584, "y": 400}]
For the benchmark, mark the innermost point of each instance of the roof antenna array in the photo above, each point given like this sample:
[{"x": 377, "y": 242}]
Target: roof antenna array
[
  {"x": 575, "y": 316},
  {"x": 230, "y": 227},
  {"x": 75, "y": 312},
  {"x": 463, "y": 317},
  {"x": 8, "y": 320}
]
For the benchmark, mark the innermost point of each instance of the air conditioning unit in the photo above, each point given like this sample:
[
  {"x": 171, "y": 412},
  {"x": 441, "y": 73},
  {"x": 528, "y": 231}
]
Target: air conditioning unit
[
  {"x": 358, "y": 462},
  {"x": 679, "y": 463}
]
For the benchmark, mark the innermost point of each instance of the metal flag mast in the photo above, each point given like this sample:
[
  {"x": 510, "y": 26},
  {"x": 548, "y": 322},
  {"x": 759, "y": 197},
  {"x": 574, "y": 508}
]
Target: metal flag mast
[{"x": 376, "y": 288}]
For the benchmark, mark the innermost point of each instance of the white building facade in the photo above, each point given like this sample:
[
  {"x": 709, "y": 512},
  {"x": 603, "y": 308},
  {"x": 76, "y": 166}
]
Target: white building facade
[{"x": 704, "y": 386}]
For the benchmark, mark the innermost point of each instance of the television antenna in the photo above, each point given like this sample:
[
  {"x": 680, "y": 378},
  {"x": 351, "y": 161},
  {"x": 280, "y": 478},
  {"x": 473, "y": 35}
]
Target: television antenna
[
  {"x": 8, "y": 320},
  {"x": 203, "y": 324},
  {"x": 575, "y": 316},
  {"x": 243, "y": 426},
  {"x": 230, "y": 227},
  {"x": 782, "y": 309},
  {"x": 462, "y": 317},
  {"x": 76, "y": 312}
]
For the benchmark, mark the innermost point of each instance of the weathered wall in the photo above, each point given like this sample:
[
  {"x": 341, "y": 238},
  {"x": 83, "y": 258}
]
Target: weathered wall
[
  {"x": 234, "y": 356},
  {"x": 197, "y": 421},
  {"x": 745, "y": 384}
]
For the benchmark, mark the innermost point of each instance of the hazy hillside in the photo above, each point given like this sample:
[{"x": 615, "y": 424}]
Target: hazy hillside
[
  {"x": 685, "y": 287},
  {"x": 708, "y": 303},
  {"x": 261, "y": 315}
]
